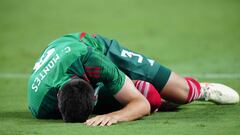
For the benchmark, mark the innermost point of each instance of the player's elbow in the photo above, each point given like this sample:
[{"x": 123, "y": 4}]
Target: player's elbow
[
  {"x": 144, "y": 106},
  {"x": 147, "y": 106}
]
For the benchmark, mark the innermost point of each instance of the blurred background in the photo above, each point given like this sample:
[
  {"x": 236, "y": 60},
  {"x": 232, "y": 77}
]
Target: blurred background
[
  {"x": 189, "y": 36},
  {"x": 200, "y": 38}
]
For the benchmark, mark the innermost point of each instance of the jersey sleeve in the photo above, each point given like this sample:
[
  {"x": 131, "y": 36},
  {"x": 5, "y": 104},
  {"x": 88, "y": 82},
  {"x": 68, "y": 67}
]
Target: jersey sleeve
[{"x": 100, "y": 69}]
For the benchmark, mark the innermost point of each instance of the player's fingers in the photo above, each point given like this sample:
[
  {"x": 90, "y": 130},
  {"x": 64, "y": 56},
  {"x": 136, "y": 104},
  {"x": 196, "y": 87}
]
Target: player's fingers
[
  {"x": 98, "y": 120},
  {"x": 105, "y": 121},
  {"x": 101, "y": 120},
  {"x": 91, "y": 121},
  {"x": 111, "y": 122}
]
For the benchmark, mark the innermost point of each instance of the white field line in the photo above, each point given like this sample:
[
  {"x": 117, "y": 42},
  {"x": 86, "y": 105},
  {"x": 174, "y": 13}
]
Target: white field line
[
  {"x": 214, "y": 75},
  {"x": 13, "y": 75},
  {"x": 198, "y": 75}
]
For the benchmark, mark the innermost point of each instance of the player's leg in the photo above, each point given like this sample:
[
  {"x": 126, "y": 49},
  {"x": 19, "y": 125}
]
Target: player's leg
[
  {"x": 181, "y": 90},
  {"x": 139, "y": 67},
  {"x": 185, "y": 90},
  {"x": 176, "y": 89},
  {"x": 171, "y": 86}
]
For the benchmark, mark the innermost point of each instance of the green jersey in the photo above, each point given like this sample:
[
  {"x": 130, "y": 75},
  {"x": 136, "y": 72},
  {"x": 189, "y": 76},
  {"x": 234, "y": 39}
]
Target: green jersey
[
  {"x": 72, "y": 55},
  {"x": 93, "y": 58}
]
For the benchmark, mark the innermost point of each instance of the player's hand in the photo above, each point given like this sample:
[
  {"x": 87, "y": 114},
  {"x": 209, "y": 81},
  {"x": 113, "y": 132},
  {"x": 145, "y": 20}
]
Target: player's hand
[{"x": 101, "y": 120}]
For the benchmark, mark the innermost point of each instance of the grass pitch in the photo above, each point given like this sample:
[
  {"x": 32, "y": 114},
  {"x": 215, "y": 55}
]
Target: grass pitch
[{"x": 193, "y": 37}]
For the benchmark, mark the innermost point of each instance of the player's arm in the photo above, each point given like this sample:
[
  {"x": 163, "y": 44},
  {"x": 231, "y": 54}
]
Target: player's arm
[
  {"x": 123, "y": 89},
  {"x": 136, "y": 106}
]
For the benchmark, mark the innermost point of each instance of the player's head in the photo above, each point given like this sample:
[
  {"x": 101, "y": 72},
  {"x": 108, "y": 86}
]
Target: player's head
[{"x": 76, "y": 100}]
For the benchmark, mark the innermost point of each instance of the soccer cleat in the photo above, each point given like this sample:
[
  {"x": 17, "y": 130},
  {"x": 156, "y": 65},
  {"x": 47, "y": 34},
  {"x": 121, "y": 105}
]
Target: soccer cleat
[{"x": 218, "y": 93}]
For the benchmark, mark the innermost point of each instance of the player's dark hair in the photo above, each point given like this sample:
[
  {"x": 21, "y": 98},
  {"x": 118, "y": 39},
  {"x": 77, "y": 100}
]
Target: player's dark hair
[{"x": 76, "y": 100}]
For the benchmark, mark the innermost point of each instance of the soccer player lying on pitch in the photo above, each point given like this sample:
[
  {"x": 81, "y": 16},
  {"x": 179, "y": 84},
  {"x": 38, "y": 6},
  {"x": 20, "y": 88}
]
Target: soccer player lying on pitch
[{"x": 64, "y": 78}]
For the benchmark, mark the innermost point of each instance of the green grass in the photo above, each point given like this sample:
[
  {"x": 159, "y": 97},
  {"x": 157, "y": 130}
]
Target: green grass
[{"x": 189, "y": 36}]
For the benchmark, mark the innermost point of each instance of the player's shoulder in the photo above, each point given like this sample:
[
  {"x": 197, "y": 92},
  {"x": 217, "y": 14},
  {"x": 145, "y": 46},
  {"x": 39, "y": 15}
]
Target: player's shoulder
[{"x": 64, "y": 40}]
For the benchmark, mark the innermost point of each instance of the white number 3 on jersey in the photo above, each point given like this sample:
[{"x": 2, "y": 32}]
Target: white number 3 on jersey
[{"x": 129, "y": 54}]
